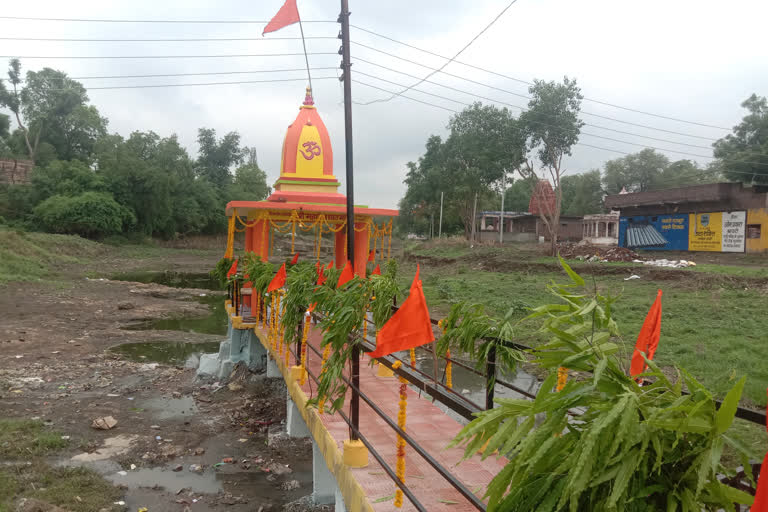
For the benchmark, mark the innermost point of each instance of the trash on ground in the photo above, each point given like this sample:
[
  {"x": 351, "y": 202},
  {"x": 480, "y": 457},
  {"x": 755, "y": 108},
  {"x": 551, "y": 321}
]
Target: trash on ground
[
  {"x": 105, "y": 423},
  {"x": 633, "y": 276}
]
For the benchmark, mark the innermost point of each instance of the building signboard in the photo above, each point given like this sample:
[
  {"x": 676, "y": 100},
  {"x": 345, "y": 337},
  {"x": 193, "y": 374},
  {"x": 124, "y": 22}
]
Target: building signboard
[{"x": 709, "y": 231}]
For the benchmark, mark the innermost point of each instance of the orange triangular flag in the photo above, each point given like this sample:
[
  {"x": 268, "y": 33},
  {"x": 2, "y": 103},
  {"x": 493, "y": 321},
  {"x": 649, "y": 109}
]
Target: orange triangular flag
[
  {"x": 761, "y": 496},
  {"x": 311, "y": 307},
  {"x": 330, "y": 265},
  {"x": 295, "y": 259},
  {"x": 346, "y": 275},
  {"x": 287, "y": 15},
  {"x": 321, "y": 279},
  {"x": 233, "y": 269},
  {"x": 409, "y": 327},
  {"x": 648, "y": 339},
  {"x": 278, "y": 281},
  {"x": 376, "y": 271},
  {"x": 372, "y": 255}
]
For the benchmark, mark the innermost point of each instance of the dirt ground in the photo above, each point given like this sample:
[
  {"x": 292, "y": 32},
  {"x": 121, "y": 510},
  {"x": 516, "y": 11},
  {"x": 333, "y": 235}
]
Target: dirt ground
[{"x": 54, "y": 365}]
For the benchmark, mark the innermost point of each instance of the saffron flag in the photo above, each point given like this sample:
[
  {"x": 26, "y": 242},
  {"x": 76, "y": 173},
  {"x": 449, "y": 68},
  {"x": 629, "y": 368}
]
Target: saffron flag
[
  {"x": 287, "y": 15},
  {"x": 376, "y": 271},
  {"x": 372, "y": 255},
  {"x": 346, "y": 275},
  {"x": 278, "y": 281},
  {"x": 409, "y": 327},
  {"x": 321, "y": 279},
  {"x": 761, "y": 496},
  {"x": 295, "y": 259},
  {"x": 648, "y": 339},
  {"x": 233, "y": 269},
  {"x": 330, "y": 265}
]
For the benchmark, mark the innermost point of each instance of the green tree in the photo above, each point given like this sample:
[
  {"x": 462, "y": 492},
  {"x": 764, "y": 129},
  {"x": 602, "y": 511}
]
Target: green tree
[
  {"x": 743, "y": 155},
  {"x": 91, "y": 214},
  {"x": 51, "y": 108},
  {"x": 637, "y": 172},
  {"x": 249, "y": 184},
  {"x": 582, "y": 193},
  {"x": 64, "y": 178},
  {"x": 552, "y": 126},
  {"x": 517, "y": 197},
  {"x": 217, "y": 157}
]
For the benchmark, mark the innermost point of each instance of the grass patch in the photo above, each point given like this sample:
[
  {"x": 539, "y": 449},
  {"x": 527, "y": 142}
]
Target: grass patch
[
  {"x": 22, "y": 439},
  {"x": 78, "y": 489},
  {"x": 31, "y": 256}
]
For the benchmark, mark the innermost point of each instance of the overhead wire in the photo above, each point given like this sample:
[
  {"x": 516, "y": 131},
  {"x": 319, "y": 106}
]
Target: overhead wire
[
  {"x": 112, "y": 20},
  {"x": 475, "y": 38},
  {"x": 639, "y": 125},
  {"x": 209, "y": 73},
  {"x": 235, "y": 82},
  {"x": 215, "y": 56},
  {"x": 160, "y": 40},
  {"x": 527, "y": 82}
]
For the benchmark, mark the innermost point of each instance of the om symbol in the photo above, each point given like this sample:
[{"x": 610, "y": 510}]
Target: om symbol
[{"x": 312, "y": 150}]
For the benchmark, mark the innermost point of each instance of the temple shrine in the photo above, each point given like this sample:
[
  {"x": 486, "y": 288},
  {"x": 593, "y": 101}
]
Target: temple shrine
[{"x": 305, "y": 199}]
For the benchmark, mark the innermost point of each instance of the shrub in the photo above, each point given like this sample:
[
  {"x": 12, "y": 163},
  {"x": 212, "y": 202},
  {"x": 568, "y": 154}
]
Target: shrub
[{"x": 90, "y": 214}]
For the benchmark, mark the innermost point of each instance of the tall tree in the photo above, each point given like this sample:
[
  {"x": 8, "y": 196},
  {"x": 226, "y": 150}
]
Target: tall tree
[
  {"x": 217, "y": 156},
  {"x": 485, "y": 145},
  {"x": 52, "y": 109},
  {"x": 636, "y": 172},
  {"x": 582, "y": 193},
  {"x": 249, "y": 184},
  {"x": 424, "y": 182},
  {"x": 552, "y": 126},
  {"x": 518, "y": 194},
  {"x": 743, "y": 155}
]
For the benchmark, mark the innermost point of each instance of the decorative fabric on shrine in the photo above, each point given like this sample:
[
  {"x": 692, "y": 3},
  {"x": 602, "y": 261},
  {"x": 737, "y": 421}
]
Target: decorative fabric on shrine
[
  {"x": 230, "y": 251},
  {"x": 648, "y": 339},
  {"x": 542, "y": 199},
  {"x": 278, "y": 281},
  {"x": 409, "y": 327}
]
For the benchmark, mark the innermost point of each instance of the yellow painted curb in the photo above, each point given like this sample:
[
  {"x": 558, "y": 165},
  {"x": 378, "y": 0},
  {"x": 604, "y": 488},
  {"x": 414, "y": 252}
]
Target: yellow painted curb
[
  {"x": 297, "y": 371},
  {"x": 383, "y": 371}
]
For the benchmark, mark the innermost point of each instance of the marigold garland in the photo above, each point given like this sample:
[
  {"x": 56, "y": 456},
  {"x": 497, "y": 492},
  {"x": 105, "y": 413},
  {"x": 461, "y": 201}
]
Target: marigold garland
[
  {"x": 401, "y": 417},
  {"x": 448, "y": 363},
  {"x": 562, "y": 377},
  {"x": 304, "y": 336},
  {"x": 326, "y": 354},
  {"x": 413, "y": 357}
]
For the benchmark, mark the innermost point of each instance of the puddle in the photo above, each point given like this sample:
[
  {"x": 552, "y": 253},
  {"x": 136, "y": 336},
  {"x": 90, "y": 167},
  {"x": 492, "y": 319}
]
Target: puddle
[
  {"x": 166, "y": 352},
  {"x": 213, "y": 323},
  {"x": 170, "y": 408},
  {"x": 173, "y": 279},
  {"x": 206, "y": 483}
]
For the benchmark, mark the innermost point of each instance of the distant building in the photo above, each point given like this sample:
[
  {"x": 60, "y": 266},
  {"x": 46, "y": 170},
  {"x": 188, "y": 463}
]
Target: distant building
[
  {"x": 15, "y": 172},
  {"x": 525, "y": 227},
  {"x": 719, "y": 217},
  {"x": 601, "y": 228}
]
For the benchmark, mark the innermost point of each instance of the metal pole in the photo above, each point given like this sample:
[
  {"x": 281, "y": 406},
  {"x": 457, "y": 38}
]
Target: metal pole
[
  {"x": 501, "y": 220},
  {"x": 306, "y": 58},
  {"x": 490, "y": 376},
  {"x": 346, "y": 66},
  {"x": 440, "y": 224},
  {"x": 474, "y": 221}
]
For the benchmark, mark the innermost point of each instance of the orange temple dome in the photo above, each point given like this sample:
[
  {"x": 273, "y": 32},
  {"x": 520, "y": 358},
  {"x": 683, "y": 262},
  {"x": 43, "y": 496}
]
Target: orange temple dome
[{"x": 306, "y": 167}]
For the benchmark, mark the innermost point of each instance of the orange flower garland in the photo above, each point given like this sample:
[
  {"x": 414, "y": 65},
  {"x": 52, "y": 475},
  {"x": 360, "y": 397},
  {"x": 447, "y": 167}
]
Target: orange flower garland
[
  {"x": 401, "y": 416},
  {"x": 562, "y": 377},
  {"x": 304, "y": 336},
  {"x": 326, "y": 354}
]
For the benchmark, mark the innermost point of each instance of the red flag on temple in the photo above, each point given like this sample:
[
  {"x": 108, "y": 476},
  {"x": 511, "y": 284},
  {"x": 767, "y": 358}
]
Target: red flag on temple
[
  {"x": 376, "y": 271},
  {"x": 278, "y": 281},
  {"x": 295, "y": 259},
  {"x": 409, "y": 327},
  {"x": 233, "y": 269},
  {"x": 372, "y": 255},
  {"x": 346, "y": 275},
  {"x": 761, "y": 497},
  {"x": 287, "y": 15},
  {"x": 648, "y": 339}
]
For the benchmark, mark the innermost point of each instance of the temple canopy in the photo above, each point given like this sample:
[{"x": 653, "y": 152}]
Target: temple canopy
[{"x": 305, "y": 198}]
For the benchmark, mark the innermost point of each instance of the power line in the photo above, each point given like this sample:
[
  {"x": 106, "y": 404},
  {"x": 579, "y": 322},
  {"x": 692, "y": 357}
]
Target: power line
[
  {"x": 165, "y": 75},
  {"x": 402, "y": 96},
  {"x": 406, "y": 89},
  {"x": 237, "y": 55},
  {"x": 523, "y": 109},
  {"x": 237, "y": 82},
  {"x": 628, "y": 109},
  {"x": 161, "y": 40},
  {"x": 543, "y": 124},
  {"x": 577, "y": 144},
  {"x": 94, "y": 20},
  {"x": 528, "y": 97}
]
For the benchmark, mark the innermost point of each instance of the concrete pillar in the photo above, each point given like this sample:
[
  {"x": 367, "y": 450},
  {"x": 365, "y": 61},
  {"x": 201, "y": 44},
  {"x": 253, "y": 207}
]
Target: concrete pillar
[
  {"x": 340, "y": 507},
  {"x": 249, "y": 238},
  {"x": 294, "y": 422},
  {"x": 340, "y": 248},
  {"x": 273, "y": 372},
  {"x": 324, "y": 485},
  {"x": 361, "y": 250}
]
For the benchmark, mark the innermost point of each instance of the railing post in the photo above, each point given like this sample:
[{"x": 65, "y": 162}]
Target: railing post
[
  {"x": 490, "y": 376},
  {"x": 301, "y": 335}
]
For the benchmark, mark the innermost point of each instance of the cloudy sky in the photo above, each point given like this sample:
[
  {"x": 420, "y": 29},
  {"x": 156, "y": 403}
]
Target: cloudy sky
[{"x": 691, "y": 60}]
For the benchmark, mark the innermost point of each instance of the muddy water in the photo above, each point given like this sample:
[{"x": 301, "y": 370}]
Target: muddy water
[
  {"x": 172, "y": 279},
  {"x": 166, "y": 352}
]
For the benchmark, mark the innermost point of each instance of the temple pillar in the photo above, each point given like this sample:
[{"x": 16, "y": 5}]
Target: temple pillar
[
  {"x": 248, "y": 239},
  {"x": 340, "y": 251},
  {"x": 361, "y": 249},
  {"x": 259, "y": 240}
]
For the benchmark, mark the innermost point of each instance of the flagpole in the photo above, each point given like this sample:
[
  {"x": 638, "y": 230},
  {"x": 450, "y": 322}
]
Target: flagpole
[{"x": 306, "y": 58}]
